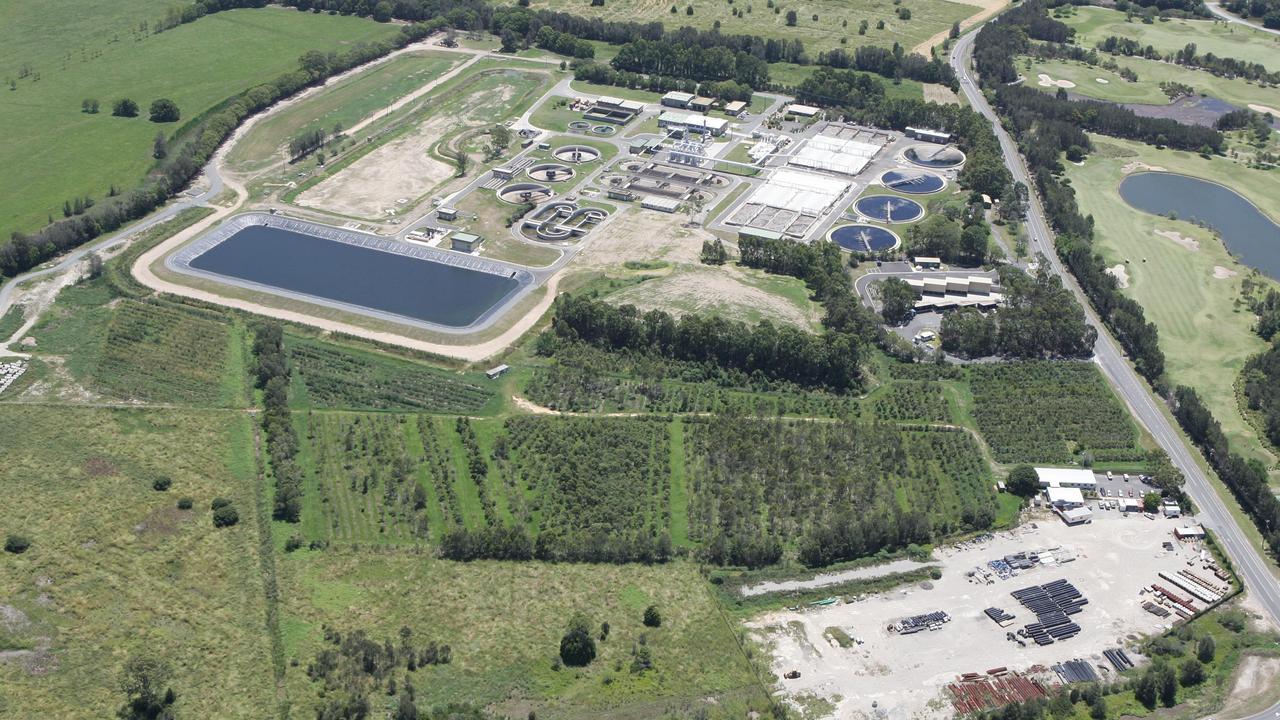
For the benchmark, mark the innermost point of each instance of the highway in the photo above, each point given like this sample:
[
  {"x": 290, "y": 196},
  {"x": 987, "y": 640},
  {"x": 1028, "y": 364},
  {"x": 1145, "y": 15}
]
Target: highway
[{"x": 1252, "y": 567}]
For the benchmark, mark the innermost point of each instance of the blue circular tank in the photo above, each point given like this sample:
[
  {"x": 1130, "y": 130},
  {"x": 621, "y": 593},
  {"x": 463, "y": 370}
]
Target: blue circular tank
[
  {"x": 864, "y": 238},
  {"x": 913, "y": 182},
  {"x": 889, "y": 208}
]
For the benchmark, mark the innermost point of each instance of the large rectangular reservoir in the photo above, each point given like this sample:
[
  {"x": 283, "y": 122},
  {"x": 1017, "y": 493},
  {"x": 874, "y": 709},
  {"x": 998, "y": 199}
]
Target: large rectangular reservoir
[{"x": 354, "y": 271}]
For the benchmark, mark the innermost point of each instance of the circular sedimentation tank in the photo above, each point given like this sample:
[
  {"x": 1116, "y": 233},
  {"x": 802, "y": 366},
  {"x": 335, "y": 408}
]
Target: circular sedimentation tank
[
  {"x": 913, "y": 182},
  {"x": 935, "y": 156},
  {"x": 580, "y": 125},
  {"x": 521, "y": 193},
  {"x": 864, "y": 238},
  {"x": 889, "y": 208},
  {"x": 603, "y": 129},
  {"x": 576, "y": 154},
  {"x": 550, "y": 172}
]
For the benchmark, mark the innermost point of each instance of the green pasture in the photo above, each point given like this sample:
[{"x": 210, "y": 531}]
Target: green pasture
[
  {"x": 836, "y": 19},
  {"x": 54, "y": 152},
  {"x": 115, "y": 570},
  {"x": 1095, "y": 24},
  {"x": 1147, "y": 90},
  {"x": 344, "y": 104},
  {"x": 1205, "y": 336}
]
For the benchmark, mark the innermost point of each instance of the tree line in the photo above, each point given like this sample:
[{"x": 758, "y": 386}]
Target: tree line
[
  {"x": 1262, "y": 390},
  {"x": 830, "y": 360},
  {"x": 271, "y": 371},
  {"x": 892, "y": 63},
  {"x": 189, "y": 150},
  {"x": 1187, "y": 56},
  {"x": 1265, "y": 11}
]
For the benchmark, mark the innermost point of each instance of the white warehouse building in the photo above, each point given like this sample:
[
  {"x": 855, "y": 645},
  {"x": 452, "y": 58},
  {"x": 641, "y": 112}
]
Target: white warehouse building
[{"x": 1067, "y": 478}]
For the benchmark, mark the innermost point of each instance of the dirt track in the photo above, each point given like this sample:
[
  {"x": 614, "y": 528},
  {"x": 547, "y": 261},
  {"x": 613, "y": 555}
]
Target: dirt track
[{"x": 989, "y": 8}]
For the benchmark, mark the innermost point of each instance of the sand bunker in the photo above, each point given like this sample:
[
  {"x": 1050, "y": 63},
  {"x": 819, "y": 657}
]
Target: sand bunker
[
  {"x": 1222, "y": 273},
  {"x": 1120, "y": 273},
  {"x": 1046, "y": 81},
  {"x": 1135, "y": 165},
  {"x": 1103, "y": 81},
  {"x": 1265, "y": 110},
  {"x": 1189, "y": 243}
]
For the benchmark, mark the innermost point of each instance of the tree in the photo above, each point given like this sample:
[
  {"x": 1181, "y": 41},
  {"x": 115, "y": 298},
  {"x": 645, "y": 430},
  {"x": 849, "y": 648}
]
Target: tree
[
  {"x": 791, "y": 18},
  {"x": 898, "y": 300},
  {"x": 1151, "y": 502},
  {"x": 405, "y": 708},
  {"x": 1206, "y": 649},
  {"x": 1191, "y": 673},
  {"x": 159, "y": 147},
  {"x": 161, "y": 483},
  {"x": 1098, "y": 708},
  {"x": 714, "y": 252},
  {"x": 1144, "y": 690},
  {"x": 1023, "y": 481},
  {"x": 225, "y": 516},
  {"x": 94, "y": 271},
  {"x": 1167, "y": 684},
  {"x": 955, "y": 30},
  {"x": 974, "y": 241},
  {"x": 314, "y": 63},
  {"x": 510, "y": 43},
  {"x": 124, "y": 107},
  {"x": 16, "y": 544},
  {"x": 164, "y": 110},
  {"x": 89, "y": 105},
  {"x": 577, "y": 648},
  {"x": 144, "y": 683},
  {"x": 652, "y": 618},
  {"x": 604, "y": 631},
  {"x": 382, "y": 11}
]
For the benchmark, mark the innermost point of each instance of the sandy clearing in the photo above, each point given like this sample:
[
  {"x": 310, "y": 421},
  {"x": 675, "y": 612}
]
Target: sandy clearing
[
  {"x": 1115, "y": 558},
  {"x": 644, "y": 236},
  {"x": 1102, "y": 81},
  {"x": 1256, "y": 682},
  {"x": 1046, "y": 81},
  {"x": 824, "y": 579},
  {"x": 1120, "y": 273},
  {"x": 1266, "y": 110},
  {"x": 723, "y": 290},
  {"x": 1221, "y": 273},
  {"x": 988, "y": 9},
  {"x": 1135, "y": 165},
  {"x": 1187, "y": 242},
  {"x": 941, "y": 94}
]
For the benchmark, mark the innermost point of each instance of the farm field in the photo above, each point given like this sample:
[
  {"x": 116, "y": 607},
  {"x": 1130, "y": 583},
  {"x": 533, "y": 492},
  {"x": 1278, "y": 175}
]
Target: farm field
[
  {"x": 116, "y": 571},
  {"x": 836, "y": 19},
  {"x": 342, "y": 105},
  {"x": 1095, "y": 24},
  {"x": 1147, "y": 90},
  {"x": 1173, "y": 268},
  {"x": 503, "y": 623},
  {"x": 100, "y": 54},
  {"x": 1050, "y": 412}
]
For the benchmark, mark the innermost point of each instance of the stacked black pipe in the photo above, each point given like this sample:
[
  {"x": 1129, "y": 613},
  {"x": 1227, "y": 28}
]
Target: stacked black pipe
[
  {"x": 1051, "y": 603},
  {"x": 998, "y": 615},
  {"x": 1118, "y": 659},
  {"x": 1076, "y": 671}
]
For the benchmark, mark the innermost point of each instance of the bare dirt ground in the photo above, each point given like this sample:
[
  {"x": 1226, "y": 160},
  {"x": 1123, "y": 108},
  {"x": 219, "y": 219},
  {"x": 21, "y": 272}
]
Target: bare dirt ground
[
  {"x": 905, "y": 675},
  {"x": 1265, "y": 110},
  {"x": 1256, "y": 686},
  {"x": 1189, "y": 243},
  {"x": 825, "y": 579},
  {"x": 1137, "y": 165},
  {"x": 644, "y": 236},
  {"x": 941, "y": 94},
  {"x": 1221, "y": 273},
  {"x": 1120, "y": 273},
  {"x": 988, "y": 8}
]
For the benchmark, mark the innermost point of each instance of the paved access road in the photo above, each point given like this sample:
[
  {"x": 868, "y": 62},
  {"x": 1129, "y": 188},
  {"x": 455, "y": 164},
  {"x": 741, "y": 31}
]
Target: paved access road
[
  {"x": 1221, "y": 14},
  {"x": 1249, "y": 563}
]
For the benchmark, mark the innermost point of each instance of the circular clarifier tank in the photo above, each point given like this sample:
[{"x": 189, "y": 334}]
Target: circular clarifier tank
[
  {"x": 889, "y": 208},
  {"x": 913, "y": 182},
  {"x": 576, "y": 154},
  {"x": 864, "y": 238},
  {"x": 550, "y": 172},
  {"x": 522, "y": 193},
  {"x": 935, "y": 156}
]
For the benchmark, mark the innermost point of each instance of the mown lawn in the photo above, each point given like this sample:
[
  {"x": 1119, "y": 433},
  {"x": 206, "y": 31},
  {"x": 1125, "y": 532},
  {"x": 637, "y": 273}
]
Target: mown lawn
[
  {"x": 1147, "y": 90},
  {"x": 1095, "y": 24},
  {"x": 115, "y": 570},
  {"x": 52, "y": 151}
]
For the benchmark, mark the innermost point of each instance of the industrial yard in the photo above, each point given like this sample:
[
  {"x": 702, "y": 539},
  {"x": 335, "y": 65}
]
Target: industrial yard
[{"x": 910, "y": 644}]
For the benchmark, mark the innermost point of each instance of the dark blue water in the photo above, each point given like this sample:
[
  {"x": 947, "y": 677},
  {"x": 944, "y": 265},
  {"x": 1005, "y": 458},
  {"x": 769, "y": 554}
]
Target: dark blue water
[
  {"x": 912, "y": 183},
  {"x": 405, "y": 286},
  {"x": 863, "y": 238},
  {"x": 1249, "y": 235},
  {"x": 889, "y": 208}
]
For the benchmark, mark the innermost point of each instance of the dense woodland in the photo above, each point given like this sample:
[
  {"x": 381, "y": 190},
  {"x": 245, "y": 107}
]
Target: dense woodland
[
  {"x": 1188, "y": 56},
  {"x": 1039, "y": 319},
  {"x": 1265, "y": 11},
  {"x": 272, "y": 375},
  {"x": 1262, "y": 390}
]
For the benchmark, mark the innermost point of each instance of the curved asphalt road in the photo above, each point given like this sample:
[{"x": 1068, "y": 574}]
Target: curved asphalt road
[
  {"x": 1249, "y": 563},
  {"x": 1221, "y": 14}
]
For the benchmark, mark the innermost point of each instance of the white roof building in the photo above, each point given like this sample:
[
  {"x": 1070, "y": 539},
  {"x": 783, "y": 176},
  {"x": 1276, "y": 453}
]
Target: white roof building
[
  {"x": 802, "y": 110},
  {"x": 1189, "y": 531},
  {"x": 1067, "y": 478},
  {"x": 824, "y": 152},
  {"x": 1076, "y": 515},
  {"x": 1065, "y": 497}
]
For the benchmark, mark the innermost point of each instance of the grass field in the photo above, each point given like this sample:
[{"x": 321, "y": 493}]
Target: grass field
[
  {"x": 1095, "y": 24},
  {"x": 504, "y": 622},
  {"x": 1204, "y": 336},
  {"x": 89, "y": 50},
  {"x": 115, "y": 570},
  {"x": 344, "y": 104},
  {"x": 1147, "y": 90},
  {"x": 836, "y": 19}
]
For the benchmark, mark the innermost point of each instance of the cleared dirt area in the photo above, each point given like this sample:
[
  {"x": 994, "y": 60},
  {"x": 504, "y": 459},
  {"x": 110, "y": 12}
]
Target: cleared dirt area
[
  {"x": 1256, "y": 687},
  {"x": 723, "y": 290},
  {"x": 904, "y": 675},
  {"x": 941, "y": 94},
  {"x": 644, "y": 236},
  {"x": 988, "y": 8},
  {"x": 824, "y": 579}
]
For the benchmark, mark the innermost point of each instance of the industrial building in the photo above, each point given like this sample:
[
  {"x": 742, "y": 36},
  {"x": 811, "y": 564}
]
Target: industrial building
[
  {"x": 661, "y": 204},
  {"x": 447, "y": 213},
  {"x": 933, "y": 136},
  {"x": 701, "y": 104},
  {"x": 465, "y": 242},
  {"x": 802, "y": 111},
  {"x": 1067, "y": 478},
  {"x": 834, "y": 154},
  {"x": 692, "y": 122},
  {"x": 613, "y": 110},
  {"x": 789, "y": 202},
  {"x": 645, "y": 146},
  {"x": 940, "y": 293},
  {"x": 1189, "y": 532},
  {"x": 1064, "y": 498},
  {"x": 677, "y": 99},
  {"x": 735, "y": 107},
  {"x": 1075, "y": 515},
  {"x": 930, "y": 263}
]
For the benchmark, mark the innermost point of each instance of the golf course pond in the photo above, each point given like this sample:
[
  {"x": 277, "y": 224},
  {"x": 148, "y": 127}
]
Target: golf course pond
[
  {"x": 362, "y": 273},
  {"x": 1250, "y": 236}
]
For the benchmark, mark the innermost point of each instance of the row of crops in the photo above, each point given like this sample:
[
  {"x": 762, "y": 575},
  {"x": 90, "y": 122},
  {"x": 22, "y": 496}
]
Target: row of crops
[
  {"x": 335, "y": 377},
  {"x": 162, "y": 352},
  {"x": 1050, "y": 411},
  {"x": 912, "y": 402}
]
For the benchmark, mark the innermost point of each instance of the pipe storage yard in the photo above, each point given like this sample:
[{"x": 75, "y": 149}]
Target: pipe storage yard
[
  {"x": 355, "y": 272},
  {"x": 1041, "y": 605}
]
